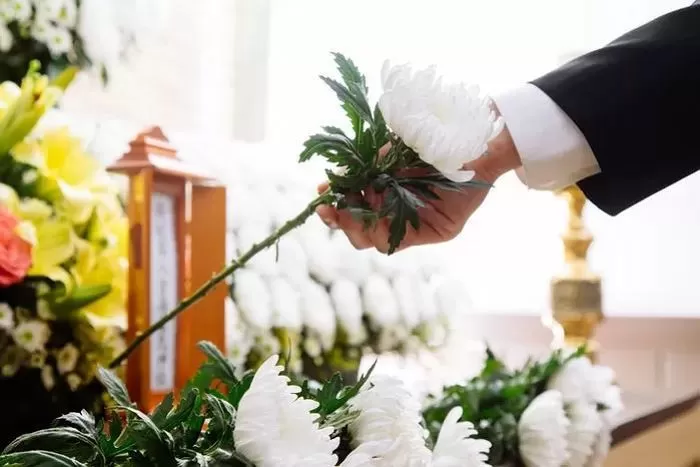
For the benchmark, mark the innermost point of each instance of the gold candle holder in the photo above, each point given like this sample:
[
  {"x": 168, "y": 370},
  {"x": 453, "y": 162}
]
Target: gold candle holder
[{"x": 576, "y": 297}]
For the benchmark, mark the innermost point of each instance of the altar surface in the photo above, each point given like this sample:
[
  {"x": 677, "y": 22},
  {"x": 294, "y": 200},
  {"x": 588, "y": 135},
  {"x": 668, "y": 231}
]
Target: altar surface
[{"x": 658, "y": 430}]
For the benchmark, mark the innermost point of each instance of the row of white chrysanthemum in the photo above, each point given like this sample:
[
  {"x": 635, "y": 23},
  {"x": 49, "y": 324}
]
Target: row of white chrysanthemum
[{"x": 563, "y": 426}]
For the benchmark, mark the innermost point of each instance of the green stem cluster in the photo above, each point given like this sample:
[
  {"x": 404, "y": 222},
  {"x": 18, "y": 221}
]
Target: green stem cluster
[{"x": 324, "y": 198}]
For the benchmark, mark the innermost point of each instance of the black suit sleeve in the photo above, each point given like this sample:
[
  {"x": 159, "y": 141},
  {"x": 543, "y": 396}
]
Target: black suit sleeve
[{"x": 637, "y": 102}]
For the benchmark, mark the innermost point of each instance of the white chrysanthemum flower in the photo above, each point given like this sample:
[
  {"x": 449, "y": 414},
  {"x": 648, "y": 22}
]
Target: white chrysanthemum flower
[
  {"x": 427, "y": 304},
  {"x": 252, "y": 298},
  {"x": 31, "y": 335},
  {"x": 584, "y": 429},
  {"x": 7, "y": 317},
  {"x": 542, "y": 431},
  {"x": 322, "y": 261},
  {"x": 448, "y": 125},
  {"x": 389, "y": 416},
  {"x": 456, "y": 445},
  {"x": 292, "y": 262},
  {"x": 74, "y": 381},
  {"x": 353, "y": 264},
  {"x": 276, "y": 427},
  {"x": 15, "y": 10},
  {"x": 407, "y": 289},
  {"x": 63, "y": 12},
  {"x": 286, "y": 306},
  {"x": 380, "y": 303},
  {"x": 99, "y": 32},
  {"x": 600, "y": 448},
  {"x": 6, "y": 38},
  {"x": 67, "y": 358},
  {"x": 239, "y": 339},
  {"x": 348, "y": 307},
  {"x": 451, "y": 297},
  {"x": 47, "y": 378},
  {"x": 264, "y": 262},
  {"x": 573, "y": 381},
  {"x": 318, "y": 313}
]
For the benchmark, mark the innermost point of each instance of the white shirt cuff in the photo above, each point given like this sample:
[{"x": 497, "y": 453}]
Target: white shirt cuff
[{"x": 553, "y": 151}]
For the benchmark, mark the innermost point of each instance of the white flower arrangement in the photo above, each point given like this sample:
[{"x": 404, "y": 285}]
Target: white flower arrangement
[
  {"x": 261, "y": 420},
  {"x": 567, "y": 422},
  {"x": 84, "y": 33}
]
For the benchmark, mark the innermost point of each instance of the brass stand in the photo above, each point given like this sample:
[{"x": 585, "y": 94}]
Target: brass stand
[{"x": 576, "y": 297}]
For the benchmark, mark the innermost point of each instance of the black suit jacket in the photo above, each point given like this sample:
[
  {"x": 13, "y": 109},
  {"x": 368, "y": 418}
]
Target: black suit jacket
[{"x": 637, "y": 102}]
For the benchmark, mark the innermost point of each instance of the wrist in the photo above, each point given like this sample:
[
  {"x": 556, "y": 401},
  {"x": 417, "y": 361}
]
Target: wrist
[{"x": 502, "y": 156}]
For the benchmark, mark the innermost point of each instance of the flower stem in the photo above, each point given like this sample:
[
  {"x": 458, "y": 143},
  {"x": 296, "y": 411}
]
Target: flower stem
[{"x": 324, "y": 198}]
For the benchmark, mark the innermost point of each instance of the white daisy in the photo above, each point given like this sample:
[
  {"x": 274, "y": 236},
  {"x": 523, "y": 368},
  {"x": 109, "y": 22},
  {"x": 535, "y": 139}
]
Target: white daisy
[
  {"x": 276, "y": 427},
  {"x": 31, "y": 335},
  {"x": 67, "y": 358},
  {"x": 7, "y": 317},
  {"x": 448, "y": 125},
  {"x": 542, "y": 431},
  {"x": 456, "y": 445}
]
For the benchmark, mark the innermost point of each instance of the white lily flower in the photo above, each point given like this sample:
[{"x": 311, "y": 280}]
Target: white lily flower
[
  {"x": 276, "y": 427},
  {"x": 456, "y": 445},
  {"x": 286, "y": 307},
  {"x": 348, "y": 307},
  {"x": 380, "y": 304},
  {"x": 252, "y": 298},
  {"x": 542, "y": 431},
  {"x": 448, "y": 125}
]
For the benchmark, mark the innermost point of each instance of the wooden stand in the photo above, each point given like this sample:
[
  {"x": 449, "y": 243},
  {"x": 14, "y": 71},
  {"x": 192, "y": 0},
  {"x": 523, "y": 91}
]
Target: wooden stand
[{"x": 177, "y": 218}]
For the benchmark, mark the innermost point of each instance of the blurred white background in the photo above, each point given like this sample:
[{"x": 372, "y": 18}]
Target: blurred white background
[{"x": 247, "y": 70}]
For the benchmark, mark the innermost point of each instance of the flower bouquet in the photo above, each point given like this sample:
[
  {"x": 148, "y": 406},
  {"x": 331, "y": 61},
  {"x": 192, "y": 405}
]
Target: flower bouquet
[
  {"x": 258, "y": 420},
  {"x": 557, "y": 412},
  {"x": 62, "y": 264},
  {"x": 62, "y": 33}
]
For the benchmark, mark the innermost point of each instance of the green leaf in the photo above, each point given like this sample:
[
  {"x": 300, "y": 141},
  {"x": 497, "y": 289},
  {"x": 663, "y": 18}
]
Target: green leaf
[
  {"x": 39, "y": 459},
  {"x": 235, "y": 393},
  {"x": 223, "y": 367},
  {"x": 401, "y": 207},
  {"x": 221, "y": 423},
  {"x": 151, "y": 439},
  {"x": 349, "y": 71},
  {"x": 81, "y": 297},
  {"x": 82, "y": 421},
  {"x": 115, "y": 387},
  {"x": 352, "y": 100},
  {"x": 66, "y": 441},
  {"x": 162, "y": 410}
]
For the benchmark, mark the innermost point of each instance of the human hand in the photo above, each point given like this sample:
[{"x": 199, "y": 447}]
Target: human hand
[{"x": 440, "y": 220}]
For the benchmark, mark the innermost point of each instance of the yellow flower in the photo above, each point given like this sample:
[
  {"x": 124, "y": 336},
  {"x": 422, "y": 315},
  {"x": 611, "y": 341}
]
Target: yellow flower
[
  {"x": 35, "y": 210},
  {"x": 8, "y": 198},
  {"x": 55, "y": 245},
  {"x": 65, "y": 159}
]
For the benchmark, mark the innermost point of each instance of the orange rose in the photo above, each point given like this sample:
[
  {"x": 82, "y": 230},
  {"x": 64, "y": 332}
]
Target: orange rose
[{"x": 15, "y": 252}]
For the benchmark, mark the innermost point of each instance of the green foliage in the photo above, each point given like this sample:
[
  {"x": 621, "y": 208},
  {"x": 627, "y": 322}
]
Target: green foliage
[
  {"x": 401, "y": 194},
  {"x": 196, "y": 431},
  {"x": 495, "y": 400}
]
